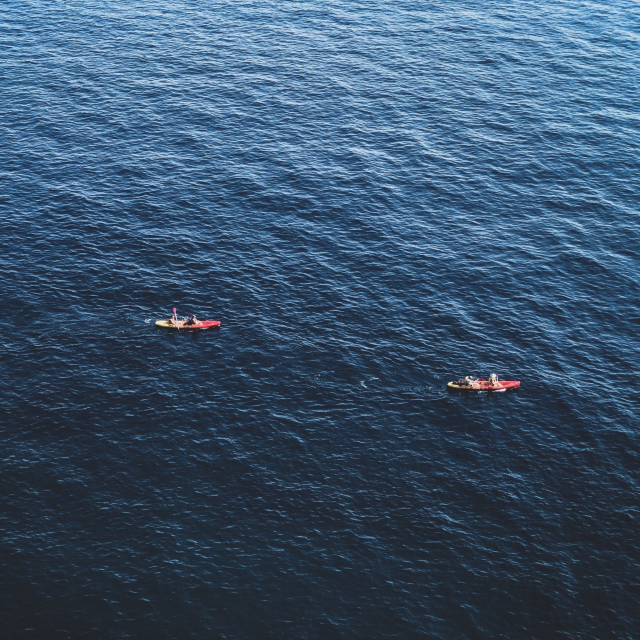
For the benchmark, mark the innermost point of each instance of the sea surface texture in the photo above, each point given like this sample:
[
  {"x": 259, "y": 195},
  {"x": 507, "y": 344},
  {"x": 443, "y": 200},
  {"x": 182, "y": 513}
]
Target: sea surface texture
[{"x": 374, "y": 198}]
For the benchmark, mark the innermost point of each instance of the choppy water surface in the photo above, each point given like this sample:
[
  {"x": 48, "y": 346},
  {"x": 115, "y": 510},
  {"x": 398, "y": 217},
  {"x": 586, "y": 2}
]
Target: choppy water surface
[{"x": 374, "y": 198}]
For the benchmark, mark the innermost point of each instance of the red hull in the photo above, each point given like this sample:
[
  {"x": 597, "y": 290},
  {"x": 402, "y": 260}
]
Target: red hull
[
  {"x": 205, "y": 324},
  {"x": 486, "y": 386}
]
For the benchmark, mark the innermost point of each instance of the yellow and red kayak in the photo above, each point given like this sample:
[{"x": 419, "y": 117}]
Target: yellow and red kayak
[
  {"x": 204, "y": 324},
  {"x": 485, "y": 385}
]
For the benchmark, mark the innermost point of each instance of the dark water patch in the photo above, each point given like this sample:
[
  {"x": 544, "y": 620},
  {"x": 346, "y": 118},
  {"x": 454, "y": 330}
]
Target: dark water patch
[{"x": 374, "y": 199}]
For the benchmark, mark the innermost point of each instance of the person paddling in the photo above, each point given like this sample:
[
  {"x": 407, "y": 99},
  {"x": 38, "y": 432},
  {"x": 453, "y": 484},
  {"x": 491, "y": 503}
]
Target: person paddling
[
  {"x": 493, "y": 380},
  {"x": 174, "y": 317}
]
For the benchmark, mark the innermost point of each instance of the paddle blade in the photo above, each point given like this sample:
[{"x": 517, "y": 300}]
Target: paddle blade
[{"x": 174, "y": 310}]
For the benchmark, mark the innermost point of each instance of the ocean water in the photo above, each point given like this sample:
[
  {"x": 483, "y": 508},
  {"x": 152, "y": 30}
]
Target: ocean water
[{"x": 374, "y": 198}]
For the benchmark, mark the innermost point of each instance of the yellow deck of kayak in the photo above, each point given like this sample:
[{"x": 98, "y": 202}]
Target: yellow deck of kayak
[{"x": 168, "y": 325}]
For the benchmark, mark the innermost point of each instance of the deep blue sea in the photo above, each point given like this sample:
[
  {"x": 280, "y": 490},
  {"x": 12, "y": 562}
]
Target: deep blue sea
[{"x": 374, "y": 198}]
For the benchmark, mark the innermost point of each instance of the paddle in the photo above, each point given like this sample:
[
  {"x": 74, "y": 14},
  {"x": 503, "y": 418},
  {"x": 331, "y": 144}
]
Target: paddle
[{"x": 175, "y": 318}]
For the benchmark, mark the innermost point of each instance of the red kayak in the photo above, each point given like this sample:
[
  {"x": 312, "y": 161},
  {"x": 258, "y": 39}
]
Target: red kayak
[
  {"x": 485, "y": 385},
  {"x": 204, "y": 324}
]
